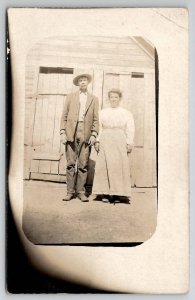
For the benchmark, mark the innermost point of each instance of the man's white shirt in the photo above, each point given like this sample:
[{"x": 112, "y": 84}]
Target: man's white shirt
[{"x": 82, "y": 108}]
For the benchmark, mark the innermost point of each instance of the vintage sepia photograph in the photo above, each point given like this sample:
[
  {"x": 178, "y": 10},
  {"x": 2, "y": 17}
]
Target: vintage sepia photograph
[
  {"x": 98, "y": 124},
  {"x": 90, "y": 144}
]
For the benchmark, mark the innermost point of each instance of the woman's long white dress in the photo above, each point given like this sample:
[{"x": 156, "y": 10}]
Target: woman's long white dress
[{"x": 112, "y": 170}]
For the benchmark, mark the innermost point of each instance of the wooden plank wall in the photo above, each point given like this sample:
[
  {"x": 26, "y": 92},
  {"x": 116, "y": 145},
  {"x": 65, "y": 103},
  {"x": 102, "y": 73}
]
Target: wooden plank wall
[{"x": 120, "y": 52}]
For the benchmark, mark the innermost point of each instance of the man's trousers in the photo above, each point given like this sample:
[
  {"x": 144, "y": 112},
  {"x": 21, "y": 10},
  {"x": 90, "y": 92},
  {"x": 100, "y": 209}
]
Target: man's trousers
[{"x": 77, "y": 155}]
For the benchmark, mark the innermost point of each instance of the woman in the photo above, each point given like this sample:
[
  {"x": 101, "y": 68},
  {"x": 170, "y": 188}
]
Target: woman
[{"x": 115, "y": 141}]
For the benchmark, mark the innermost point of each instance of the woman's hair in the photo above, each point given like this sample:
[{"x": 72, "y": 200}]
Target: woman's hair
[{"x": 116, "y": 91}]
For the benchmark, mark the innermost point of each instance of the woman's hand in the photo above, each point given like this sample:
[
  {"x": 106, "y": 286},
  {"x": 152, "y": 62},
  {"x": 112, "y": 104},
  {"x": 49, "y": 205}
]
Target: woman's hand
[
  {"x": 97, "y": 147},
  {"x": 129, "y": 148}
]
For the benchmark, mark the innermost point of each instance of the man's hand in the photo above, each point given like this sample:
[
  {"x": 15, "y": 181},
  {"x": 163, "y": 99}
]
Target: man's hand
[
  {"x": 129, "y": 148},
  {"x": 63, "y": 138},
  {"x": 92, "y": 140},
  {"x": 97, "y": 147}
]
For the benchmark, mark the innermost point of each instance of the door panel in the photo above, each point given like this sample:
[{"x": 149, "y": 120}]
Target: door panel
[
  {"x": 110, "y": 81},
  {"x": 48, "y": 154},
  {"x": 98, "y": 79},
  {"x": 52, "y": 84}
]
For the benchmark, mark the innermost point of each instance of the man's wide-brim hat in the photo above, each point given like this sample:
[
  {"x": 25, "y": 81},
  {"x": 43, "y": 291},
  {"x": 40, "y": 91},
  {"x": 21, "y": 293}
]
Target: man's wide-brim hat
[{"x": 88, "y": 76}]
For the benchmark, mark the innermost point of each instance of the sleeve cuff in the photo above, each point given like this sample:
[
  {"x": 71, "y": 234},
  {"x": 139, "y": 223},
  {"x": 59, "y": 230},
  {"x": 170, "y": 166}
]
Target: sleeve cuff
[{"x": 94, "y": 133}]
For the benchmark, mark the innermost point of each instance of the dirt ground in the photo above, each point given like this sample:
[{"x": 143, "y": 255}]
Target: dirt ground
[{"x": 49, "y": 220}]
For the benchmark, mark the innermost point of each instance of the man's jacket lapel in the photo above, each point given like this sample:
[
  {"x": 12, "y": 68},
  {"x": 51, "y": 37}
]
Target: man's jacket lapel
[
  {"x": 88, "y": 103},
  {"x": 77, "y": 104}
]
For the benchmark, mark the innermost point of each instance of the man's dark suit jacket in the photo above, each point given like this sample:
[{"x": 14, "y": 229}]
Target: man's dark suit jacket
[{"x": 71, "y": 113}]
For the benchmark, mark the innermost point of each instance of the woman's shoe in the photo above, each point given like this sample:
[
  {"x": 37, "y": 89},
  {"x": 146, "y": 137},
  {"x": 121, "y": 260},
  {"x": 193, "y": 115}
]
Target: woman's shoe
[
  {"x": 116, "y": 199},
  {"x": 105, "y": 200}
]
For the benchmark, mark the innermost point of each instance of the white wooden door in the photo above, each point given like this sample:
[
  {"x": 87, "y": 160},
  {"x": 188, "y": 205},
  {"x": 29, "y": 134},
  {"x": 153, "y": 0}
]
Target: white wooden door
[{"x": 48, "y": 159}]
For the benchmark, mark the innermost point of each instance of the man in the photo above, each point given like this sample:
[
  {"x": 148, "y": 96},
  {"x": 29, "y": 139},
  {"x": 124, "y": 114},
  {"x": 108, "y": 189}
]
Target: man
[{"x": 79, "y": 129}]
